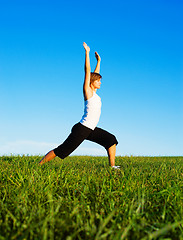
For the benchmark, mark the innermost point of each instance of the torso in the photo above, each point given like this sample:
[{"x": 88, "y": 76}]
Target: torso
[{"x": 92, "y": 111}]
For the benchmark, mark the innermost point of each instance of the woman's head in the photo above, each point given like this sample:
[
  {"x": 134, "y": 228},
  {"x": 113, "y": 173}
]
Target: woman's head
[{"x": 95, "y": 79}]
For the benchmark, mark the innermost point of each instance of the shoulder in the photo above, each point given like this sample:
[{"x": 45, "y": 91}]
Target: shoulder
[{"x": 88, "y": 93}]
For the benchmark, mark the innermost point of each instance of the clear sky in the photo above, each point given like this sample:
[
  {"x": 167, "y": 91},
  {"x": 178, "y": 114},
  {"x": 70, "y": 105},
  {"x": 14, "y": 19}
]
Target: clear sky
[{"x": 42, "y": 72}]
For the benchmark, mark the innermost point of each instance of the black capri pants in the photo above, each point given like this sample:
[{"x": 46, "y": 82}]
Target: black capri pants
[{"x": 79, "y": 133}]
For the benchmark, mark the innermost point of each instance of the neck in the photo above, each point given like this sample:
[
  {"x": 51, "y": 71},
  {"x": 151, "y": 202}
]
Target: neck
[{"x": 93, "y": 88}]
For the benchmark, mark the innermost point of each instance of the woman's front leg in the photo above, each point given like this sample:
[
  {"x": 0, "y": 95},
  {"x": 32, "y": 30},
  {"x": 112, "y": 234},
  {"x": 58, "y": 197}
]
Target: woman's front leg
[{"x": 111, "y": 155}]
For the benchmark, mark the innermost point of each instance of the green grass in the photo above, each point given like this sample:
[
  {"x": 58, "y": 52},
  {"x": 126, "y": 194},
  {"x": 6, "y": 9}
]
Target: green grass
[{"x": 82, "y": 198}]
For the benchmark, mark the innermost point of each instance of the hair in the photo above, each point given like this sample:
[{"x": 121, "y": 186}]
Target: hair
[{"x": 94, "y": 76}]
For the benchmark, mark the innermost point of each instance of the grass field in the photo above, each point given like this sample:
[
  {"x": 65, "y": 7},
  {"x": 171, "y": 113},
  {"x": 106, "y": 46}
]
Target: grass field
[{"x": 82, "y": 198}]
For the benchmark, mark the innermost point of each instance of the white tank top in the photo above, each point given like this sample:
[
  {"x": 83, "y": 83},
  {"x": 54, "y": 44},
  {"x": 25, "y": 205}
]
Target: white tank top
[{"x": 92, "y": 111}]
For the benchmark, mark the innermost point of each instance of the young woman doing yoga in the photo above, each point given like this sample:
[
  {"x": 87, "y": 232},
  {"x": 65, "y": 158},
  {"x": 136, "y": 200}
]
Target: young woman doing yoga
[{"x": 87, "y": 128}]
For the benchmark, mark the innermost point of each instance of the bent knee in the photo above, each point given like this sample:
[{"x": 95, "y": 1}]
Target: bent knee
[{"x": 112, "y": 141}]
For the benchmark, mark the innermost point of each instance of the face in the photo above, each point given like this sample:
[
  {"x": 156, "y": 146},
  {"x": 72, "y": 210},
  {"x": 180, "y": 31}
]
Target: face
[{"x": 96, "y": 83}]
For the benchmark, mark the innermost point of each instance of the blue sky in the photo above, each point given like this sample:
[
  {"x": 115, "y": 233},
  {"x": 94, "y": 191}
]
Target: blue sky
[{"x": 42, "y": 72}]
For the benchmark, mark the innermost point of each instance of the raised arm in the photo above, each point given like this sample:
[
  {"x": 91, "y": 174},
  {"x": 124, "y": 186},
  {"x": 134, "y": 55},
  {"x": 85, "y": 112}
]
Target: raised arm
[
  {"x": 97, "y": 69},
  {"x": 86, "y": 86}
]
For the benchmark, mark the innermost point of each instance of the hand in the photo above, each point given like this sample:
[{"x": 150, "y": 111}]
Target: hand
[
  {"x": 97, "y": 56},
  {"x": 86, "y": 47}
]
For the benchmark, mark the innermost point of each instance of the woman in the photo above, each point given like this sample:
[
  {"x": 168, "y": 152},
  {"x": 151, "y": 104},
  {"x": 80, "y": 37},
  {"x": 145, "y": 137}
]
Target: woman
[{"x": 87, "y": 127}]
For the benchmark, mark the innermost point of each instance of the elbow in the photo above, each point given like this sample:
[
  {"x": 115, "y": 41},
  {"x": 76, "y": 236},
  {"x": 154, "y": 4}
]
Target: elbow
[{"x": 87, "y": 69}]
